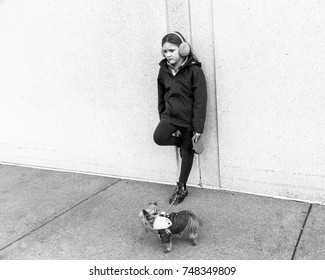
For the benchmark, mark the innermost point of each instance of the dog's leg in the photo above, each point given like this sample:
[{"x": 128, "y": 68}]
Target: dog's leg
[
  {"x": 194, "y": 238},
  {"x": 167, "y": 247}
]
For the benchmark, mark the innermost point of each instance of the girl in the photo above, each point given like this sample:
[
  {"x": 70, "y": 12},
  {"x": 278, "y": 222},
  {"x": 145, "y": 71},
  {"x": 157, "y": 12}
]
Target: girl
[{"x": 182, "y": 98}]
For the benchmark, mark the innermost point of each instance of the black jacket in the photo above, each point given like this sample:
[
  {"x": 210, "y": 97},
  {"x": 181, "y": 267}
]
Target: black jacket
[{"x": 182, "y": 98}]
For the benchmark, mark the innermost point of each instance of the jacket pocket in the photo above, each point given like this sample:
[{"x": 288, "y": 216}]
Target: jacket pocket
[{"x": 182, "y": 110}]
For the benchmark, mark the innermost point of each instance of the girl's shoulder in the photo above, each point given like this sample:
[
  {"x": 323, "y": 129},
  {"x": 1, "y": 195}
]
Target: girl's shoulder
[
  {"x": 196, "y": 71},
  {"x": 163, "y": 63},
  {"x": 196, "y": 68},
  {"x": 194, "y": 64}
]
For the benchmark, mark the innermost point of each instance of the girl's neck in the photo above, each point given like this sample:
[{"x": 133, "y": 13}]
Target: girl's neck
[
  {"x": 178, "y": 64},
  {"x": 175, "y": 68}
]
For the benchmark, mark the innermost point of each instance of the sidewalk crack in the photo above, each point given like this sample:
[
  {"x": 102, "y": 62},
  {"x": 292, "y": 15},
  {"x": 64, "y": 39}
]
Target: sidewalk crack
[
  {"x": 58, "y": 215},
  {"x": 301, "y": 232}
]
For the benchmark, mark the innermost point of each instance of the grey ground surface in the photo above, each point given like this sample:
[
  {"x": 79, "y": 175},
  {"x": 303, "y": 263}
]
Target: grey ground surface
[{"x": 58, "y": 215}]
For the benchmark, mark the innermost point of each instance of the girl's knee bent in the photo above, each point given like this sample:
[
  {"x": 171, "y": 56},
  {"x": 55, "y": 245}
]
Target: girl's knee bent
[
  {"x": 163, "y": 134},
  {"x": 159, "y": 138},
  {"x": 156, "y": 138}
]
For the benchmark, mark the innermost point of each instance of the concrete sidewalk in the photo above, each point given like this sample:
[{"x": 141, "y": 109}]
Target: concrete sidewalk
[{"x": 59, "y": 215}]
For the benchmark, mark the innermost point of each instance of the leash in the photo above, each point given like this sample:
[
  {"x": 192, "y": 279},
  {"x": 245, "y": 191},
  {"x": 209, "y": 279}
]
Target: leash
[
  {"x": 170, "y": 206},
  {"x": 178, "y": 169},
  {"x": 177, "y": 153},
  {"x": 199, "y": 170}
]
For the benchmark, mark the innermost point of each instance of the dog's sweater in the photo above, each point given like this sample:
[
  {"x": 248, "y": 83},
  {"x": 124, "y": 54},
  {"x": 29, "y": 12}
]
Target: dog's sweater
[{"x": 179, "y": 222}]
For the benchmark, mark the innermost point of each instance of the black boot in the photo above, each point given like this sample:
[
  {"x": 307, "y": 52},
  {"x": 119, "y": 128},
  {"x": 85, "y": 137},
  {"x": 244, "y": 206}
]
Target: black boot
[{"x": 179, "y": 194}]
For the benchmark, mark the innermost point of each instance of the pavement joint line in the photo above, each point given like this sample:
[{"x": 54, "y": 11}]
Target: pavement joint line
[
  {"x": 58, "y": 215},
  {"x": 301, "y": 231}
]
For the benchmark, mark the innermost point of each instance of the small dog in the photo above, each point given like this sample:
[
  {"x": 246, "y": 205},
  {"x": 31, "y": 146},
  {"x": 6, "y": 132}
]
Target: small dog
[{"x": 184, "y": 224}]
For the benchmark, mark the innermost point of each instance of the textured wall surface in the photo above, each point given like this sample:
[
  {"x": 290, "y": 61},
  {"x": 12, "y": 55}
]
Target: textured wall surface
[
  {"x": 78, "y": 90},
  {"x": 270, "y": 84},
  {"x": 78, "y": 87}
]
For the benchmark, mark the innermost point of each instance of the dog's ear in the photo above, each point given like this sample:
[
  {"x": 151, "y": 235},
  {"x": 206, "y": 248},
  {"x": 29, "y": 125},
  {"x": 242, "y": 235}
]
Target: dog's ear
[
  {"x": 145, "y": 213},
  {"x": 155, "y": 203}
]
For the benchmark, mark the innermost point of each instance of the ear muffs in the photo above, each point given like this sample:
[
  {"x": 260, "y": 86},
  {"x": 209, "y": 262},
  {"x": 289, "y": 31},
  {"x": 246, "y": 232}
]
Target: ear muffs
[{"x": 184, "y": 48}]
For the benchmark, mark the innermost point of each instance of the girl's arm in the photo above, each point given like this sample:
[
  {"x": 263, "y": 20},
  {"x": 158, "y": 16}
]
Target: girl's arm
[
  {"x": 161, "y": 100},
  {"x": 200, "y": 100}
]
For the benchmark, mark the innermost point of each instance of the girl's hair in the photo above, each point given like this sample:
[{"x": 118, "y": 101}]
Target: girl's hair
[{"x": 174, "y": 39}]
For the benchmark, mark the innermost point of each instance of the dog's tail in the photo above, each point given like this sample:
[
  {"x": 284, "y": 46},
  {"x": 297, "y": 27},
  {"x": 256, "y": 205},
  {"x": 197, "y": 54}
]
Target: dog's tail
[
  {"x": 195, "y": 218},
  {"x": 193, "y": 224}
]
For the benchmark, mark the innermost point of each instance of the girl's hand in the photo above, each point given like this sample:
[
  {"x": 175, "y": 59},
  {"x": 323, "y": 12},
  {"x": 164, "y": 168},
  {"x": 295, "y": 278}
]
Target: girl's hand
[{"x": 196, "y": 137}]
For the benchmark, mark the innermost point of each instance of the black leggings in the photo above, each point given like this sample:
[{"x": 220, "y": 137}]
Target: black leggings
[{"x": 163, "y": 137}]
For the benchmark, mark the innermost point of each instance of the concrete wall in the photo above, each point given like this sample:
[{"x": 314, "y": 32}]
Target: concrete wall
[
  {"x": 270, "y": 84},
  {"x": 78, "y": 89}
]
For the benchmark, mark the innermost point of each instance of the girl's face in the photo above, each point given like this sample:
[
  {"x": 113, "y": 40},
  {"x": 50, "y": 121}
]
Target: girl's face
[{"x": 170, "y": 51}]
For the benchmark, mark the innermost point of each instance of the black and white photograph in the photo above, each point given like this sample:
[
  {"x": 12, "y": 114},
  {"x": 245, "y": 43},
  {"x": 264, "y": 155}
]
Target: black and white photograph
[{"x": 162, "y": 138}]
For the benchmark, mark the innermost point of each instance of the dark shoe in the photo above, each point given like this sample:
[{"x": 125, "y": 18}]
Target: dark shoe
[{"x": 179, "y": 194}]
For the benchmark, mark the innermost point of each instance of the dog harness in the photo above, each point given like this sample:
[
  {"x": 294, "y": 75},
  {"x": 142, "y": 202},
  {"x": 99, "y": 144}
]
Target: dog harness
[{"x": 179, "y": 222}]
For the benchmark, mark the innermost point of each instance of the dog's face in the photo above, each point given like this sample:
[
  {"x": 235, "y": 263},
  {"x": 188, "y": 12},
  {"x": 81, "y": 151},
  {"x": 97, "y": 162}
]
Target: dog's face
[{"x": 149, "y": 214}]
